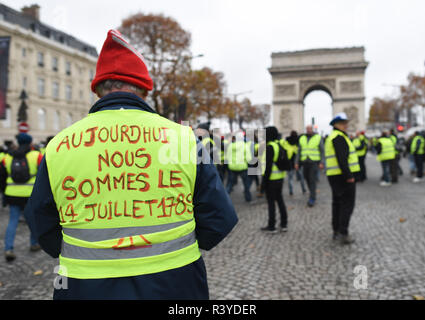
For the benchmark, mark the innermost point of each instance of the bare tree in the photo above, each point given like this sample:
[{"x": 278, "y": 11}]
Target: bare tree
[{"x": 165, "y": 47}]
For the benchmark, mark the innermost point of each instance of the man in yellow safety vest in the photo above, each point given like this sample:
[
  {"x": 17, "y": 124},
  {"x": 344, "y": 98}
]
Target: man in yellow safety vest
[
  {"x": 17, "y": 176},
  {"x": 417, "y": 149},
  {"x": 272, "y": 183},
  {"x": 385, "y": 149},
  {"x": 238, "y": 155},
  {"x": 310, "y": 156},
  {"x": 341, "y": 164},
  {"x": 121, "y": 199},
  {"x": 361, "y": 145}
]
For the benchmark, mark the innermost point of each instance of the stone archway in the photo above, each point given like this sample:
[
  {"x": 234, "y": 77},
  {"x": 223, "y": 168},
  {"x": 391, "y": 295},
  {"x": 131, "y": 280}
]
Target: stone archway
[{"x": 339, "y": 72}]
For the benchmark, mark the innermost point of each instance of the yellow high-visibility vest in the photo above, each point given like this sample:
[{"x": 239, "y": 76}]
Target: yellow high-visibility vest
[
  {"x": 238, "y": 155},
  {"x": 123, "y": 183},
  {"x": 311, "y": 148},
  {"x": 421, "y": 149},
  {"x": 332, "y": 166},
  {"x": 394, "y": 141},
  {"x": 276, "y": 173},
  {"x": 357, "y": 142},
  {"x": 24, "y": 190},
  {"x": 290, "y": 149},
  {"x": 388, "y": 149}
]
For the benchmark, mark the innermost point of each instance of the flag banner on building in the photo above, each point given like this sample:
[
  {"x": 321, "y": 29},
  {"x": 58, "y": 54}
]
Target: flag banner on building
[{"x": 4, "y": 73}]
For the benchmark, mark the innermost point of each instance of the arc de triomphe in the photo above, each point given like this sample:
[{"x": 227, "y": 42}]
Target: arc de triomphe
[{"x": 339, "y": 72}]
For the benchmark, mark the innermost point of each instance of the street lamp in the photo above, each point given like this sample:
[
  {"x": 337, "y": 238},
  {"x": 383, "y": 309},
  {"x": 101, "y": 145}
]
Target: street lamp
[{"x": 235, "y": 95}]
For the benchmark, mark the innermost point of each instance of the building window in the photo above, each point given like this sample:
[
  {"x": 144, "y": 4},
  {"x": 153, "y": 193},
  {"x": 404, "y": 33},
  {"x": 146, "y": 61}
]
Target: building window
[
  {"x": 6, "y": 122},
  {"x": 40, "y": 59},
  {"x": 55, "y": 90},
  {"x": 68, "y": 93},
  {"x": 68, "y": 119},
  {"x": 24, "y": 83},
  {"x": 68, "y": 68},
  {"x": 41, "y": 87},
  {"x": 24, "y": 52},
  {"x": 41, "y": 119},
  {"x": 55, "y": 64},
  {"x": 56, "y": 121}
]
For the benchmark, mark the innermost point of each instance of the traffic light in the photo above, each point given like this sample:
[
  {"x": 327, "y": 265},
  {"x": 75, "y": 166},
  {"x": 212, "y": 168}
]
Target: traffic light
[{"x": 400, "y": 128}]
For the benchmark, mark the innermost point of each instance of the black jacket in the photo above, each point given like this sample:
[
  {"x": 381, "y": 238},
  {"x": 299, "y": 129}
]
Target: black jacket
[
  {"x": 8, "y": 200},
  {"x": 271, "y": 135},
  {"x": 342, "y": 153}
]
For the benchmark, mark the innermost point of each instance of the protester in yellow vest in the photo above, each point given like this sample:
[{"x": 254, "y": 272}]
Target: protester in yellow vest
[
  {"x": 292, "y": 142},
  {"x": 417, "y": 149},
  {"x": 17, "y": 176},
  {"x": 396, "y": 169},
  {"x": 386, "y": 155},
  {"x": 238, "y": 155},
  {"x": 361, "y": 145},
  {"x": 121, "y": 198},
  {"x": 310, "y": 156},
  {"x": 253, "y": 147},
  {"x": 272, "y": 183},
  {"x": 341, "y": 163}
]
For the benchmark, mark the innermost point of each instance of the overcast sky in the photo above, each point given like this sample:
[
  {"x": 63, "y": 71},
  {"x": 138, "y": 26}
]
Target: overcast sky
[{"x": 237, "y": 37}]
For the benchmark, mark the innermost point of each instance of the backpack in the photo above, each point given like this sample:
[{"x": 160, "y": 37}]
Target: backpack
[
  {"x": 20, "y": 172},
  {"x": 283, "y": 163}
]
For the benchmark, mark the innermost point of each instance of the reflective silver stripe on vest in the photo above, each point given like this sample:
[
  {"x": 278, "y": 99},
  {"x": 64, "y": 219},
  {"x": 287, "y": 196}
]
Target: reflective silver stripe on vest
[
  {"x": 82, "y": 253},
  {"x": 93, "y": 235}
]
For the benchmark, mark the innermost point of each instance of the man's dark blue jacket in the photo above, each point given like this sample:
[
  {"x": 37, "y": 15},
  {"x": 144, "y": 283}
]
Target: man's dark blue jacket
[{"x": 214, "y": 215}]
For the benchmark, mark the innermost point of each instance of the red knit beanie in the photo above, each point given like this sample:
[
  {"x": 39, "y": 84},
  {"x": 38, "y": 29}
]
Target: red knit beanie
[{"x": 119, "y": 60}]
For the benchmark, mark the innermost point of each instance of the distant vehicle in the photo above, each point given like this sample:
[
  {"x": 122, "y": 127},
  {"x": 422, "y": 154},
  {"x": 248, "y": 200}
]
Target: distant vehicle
[{"x": 409, "y": 132}]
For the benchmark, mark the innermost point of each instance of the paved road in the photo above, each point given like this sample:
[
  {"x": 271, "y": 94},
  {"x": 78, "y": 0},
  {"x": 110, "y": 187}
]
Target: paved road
[{"x": 301, "y": 264}]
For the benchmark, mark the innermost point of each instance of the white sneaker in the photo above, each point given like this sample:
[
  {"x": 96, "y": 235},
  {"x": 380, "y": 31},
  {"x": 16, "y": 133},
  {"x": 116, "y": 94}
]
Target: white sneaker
[
  {"x": 385, "y": 184},
  {"x": 417, "y": 180}
]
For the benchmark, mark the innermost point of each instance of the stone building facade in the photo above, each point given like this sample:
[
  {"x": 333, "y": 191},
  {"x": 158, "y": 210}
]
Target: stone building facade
[{"x": 53, "y": 68}]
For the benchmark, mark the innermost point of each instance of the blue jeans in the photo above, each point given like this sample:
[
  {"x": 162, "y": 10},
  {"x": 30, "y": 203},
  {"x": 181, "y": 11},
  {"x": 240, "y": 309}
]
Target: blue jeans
[
  {"x": 386, "y": 170},
  {"x": 412, "y": 163},
  {"x": 246, "y": 180},
  {"x": 299, "y": 176},
  {"x": 15, "y": 212}
]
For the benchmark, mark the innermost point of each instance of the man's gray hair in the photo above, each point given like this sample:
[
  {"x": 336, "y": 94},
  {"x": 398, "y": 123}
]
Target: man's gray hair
[{"x": 107, "y": 86}]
